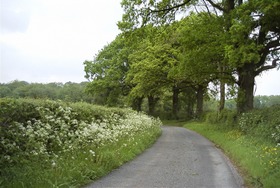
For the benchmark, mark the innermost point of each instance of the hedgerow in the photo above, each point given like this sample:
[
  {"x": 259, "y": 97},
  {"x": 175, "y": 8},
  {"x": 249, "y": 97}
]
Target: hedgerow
[
  {"x": 263, "y": 123},
  {"x": 47, "y": 133}
]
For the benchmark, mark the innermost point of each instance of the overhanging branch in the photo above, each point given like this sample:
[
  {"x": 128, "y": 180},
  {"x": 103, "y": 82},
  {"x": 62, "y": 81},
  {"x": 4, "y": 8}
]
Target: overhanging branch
[
  {"x": 267, "y": 67},
  {"x": 272, "y": 46},
  {"x": 171, "y": 8},
  {"x": 215, "y": 5}
]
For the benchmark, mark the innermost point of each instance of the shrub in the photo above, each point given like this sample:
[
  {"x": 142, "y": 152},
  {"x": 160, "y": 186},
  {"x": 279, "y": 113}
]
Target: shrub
[
  {"x": 226, "y": 117},
  {"x": 264, "y": 123}
]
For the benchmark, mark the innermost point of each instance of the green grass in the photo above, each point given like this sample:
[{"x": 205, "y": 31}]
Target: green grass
[
  {"x": 79, "y": 167},
  {"x": 173, "y": 123},
  {"x": 257, "y": 160}
]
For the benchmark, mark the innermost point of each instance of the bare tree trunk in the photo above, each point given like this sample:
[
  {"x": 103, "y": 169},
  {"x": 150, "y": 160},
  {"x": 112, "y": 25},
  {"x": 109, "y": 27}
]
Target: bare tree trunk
[
  {"x": 199, "y": 100},
  {"x": 137, "y": 103},
  {"x": 246, "y": 83},
  {"x": 175, "y": 102},
  {"x": 222, "y": 96},
  {"x": 152, "y": 104}
]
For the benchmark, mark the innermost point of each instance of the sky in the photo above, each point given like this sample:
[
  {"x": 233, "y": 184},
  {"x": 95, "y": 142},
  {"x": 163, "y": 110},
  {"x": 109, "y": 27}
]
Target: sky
[{"x": 48, "y": 40}]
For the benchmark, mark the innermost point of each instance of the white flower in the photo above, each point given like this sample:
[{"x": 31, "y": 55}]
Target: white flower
[
  {"x": 92, "y": 152},
  {"x": 53, "y": 164}
]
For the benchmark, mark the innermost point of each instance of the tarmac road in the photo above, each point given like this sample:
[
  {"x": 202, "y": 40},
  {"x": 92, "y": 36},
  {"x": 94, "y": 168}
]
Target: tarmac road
[{"x": 180, "y": 158}]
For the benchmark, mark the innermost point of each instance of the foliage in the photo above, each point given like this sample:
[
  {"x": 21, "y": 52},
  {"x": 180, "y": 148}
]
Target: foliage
[
  {"x": 222, "y": 42},
  {"x": 264, "y": 123},
  {"x": 107, "y": 73},
  {"x": 151, "y": 64},
  {"x": 240, "y": 38},
  {"x": 226, "y": 118},
  {"x": 51, "y": 135},
  {"x": 266, "y": 101},
  {"x": 71, "y": 92},
  {"x": 201, "y": 44}
]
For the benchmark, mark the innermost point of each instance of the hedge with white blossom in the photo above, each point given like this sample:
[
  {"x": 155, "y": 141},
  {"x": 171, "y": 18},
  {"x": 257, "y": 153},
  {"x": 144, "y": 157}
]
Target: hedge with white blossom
[{"x": 45, "y": 129}]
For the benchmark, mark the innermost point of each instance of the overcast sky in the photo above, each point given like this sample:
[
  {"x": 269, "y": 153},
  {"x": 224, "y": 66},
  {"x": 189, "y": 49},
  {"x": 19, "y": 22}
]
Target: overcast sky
[{"x": 48, "y": 40}]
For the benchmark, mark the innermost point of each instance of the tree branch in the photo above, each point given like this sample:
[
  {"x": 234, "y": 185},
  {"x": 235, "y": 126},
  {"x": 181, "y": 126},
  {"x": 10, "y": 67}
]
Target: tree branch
[
  {"x": 171, "y": 8},
  {"x": 264, "y": 68},
  {"x": 207, "y": 8},
  {"x": 266, "y": 50},
  {"x": 272, "y": 44},
  {"x": 215, "y": 5}
]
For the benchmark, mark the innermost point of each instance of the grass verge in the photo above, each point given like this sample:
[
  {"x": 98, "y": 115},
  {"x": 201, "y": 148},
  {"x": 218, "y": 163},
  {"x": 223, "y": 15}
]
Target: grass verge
[
  {"x": 175, "y": 123},
  {"x": 257, "y": 159}
]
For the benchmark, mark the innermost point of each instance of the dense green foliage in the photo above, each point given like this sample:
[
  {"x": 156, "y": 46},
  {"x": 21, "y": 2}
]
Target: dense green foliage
[
  {"x": 45, "y": 143},
  {"x": 221, "y": 43},
  {"x": 161, "y": 65},
  {"x": 262, "y": 123}
]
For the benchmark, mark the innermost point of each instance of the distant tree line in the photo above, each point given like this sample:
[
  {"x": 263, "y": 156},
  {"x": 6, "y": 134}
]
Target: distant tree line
[
  {"x": 78, "y": 92},
  {"x": 259, "y": 101},
  {"x": 71, "y": 92}
]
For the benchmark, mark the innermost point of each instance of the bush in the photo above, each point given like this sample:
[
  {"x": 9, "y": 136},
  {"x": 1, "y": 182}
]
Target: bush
[
  {"x": 226, "y": 117},
  {"x": 13, "y": 110},
  {"x": 264, "y": 123}
]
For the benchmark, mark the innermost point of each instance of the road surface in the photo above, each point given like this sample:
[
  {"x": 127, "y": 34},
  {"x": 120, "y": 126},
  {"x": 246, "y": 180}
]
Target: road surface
[{"x": 180, "y": 158}]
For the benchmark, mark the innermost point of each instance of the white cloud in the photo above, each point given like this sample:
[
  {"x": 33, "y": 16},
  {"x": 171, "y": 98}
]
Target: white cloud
[{"x": 61, "y": 34}]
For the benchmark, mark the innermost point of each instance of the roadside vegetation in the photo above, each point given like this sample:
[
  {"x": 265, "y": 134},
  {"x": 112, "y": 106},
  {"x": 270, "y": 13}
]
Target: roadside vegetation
[
  {"x": 200, "y": 67},
  {"x": 45, "y": 143},
  {"x": 251, "y": 140}
]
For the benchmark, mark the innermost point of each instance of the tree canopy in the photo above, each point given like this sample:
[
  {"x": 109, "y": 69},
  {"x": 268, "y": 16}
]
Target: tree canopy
[
  {"x": 249, "y": 45},
  {"x": 178, "y": 48}
]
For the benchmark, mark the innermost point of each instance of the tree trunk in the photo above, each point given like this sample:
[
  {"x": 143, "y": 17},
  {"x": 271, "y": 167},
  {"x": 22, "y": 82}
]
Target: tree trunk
[
  {"x": 175, "y": 102},
  {"x": 137, "y": 103},
  {"x": 152, "y": 104},
  {"x": 246, "y": 82},
  {"x": 222, "y": 96},
  {"x": 222, "y": 70},
  {"x": 199, "y": 100},
  {"x": 190, "y": 108}
]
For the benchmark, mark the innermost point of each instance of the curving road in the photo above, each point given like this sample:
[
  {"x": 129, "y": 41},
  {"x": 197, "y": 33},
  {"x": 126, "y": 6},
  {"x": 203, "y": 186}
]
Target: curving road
[{"x": 180, "y": 158}]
